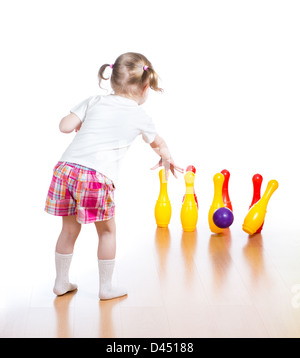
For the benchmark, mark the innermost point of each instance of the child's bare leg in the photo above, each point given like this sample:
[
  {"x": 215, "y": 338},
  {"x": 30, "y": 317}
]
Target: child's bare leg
[
  {"x": 69, "y": 233},
  {"x": 106, "y": 259},
  {"x": 63, "y": 255},
  {"x": 106, "y": 231}
]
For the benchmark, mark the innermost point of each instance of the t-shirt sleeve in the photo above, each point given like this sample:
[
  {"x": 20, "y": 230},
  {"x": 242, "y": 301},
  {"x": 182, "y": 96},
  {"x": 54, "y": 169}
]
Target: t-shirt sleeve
[
  {"x": 148, "y": 130},
  {"x": 81, "y": 109}
]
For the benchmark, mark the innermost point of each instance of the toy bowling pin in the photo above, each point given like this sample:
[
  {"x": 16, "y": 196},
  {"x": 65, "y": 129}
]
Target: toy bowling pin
[
  {"x": 225, "y": 194},
  {"x": 189, "y": 211},
  {"x": 256, "y": 180},
  {"x": 217, "y": 202},
  {"x": 191, "y": 168},
  {"x": 256, "y": 215},
  {"x": 163, "y": 208}
]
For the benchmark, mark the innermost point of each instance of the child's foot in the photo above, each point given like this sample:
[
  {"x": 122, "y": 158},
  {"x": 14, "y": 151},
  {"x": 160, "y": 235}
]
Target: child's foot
[
  {"x": 107, "y": 293},
  {"x": 61, "y": 289},
  {"x": 62, "y": 284}
]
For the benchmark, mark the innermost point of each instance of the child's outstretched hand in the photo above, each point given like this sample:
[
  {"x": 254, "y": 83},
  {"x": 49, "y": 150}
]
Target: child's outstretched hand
[
  {"x": 168, "y": 165},
  {"x": 161, "y": 148}
]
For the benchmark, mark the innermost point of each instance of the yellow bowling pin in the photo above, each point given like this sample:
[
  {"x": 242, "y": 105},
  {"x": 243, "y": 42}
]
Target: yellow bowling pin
[
  {"x": 163, "y": 208},
  {"x": 217, "y": 202},
  {"x": 189, "y": 211},
  {"x": 256, "y": 215}
]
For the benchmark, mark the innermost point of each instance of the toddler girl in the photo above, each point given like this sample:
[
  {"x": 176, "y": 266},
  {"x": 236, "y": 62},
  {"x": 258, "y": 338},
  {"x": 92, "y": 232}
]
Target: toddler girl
[{"x": 83, "y": 182}]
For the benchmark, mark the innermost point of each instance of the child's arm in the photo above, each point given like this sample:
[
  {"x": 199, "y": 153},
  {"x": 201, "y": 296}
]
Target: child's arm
[
  {"x": 69, "y": 123},
  {"x": 160, "y": 147}
]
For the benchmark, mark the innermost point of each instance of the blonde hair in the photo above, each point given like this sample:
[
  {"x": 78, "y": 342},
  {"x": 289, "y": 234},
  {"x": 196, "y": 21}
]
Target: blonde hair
[{"x": 131, "y": 72}]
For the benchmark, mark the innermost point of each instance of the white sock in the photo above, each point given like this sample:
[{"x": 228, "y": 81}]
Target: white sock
[
  {"x": 106, "y": 290},
  {"x": 62, "y": 265}
]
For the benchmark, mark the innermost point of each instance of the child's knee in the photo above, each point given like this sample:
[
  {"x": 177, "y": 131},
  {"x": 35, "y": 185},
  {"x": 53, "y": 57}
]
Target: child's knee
[
  {"x": 71, "y": 231},
  {"x": 106, "y": 227}
]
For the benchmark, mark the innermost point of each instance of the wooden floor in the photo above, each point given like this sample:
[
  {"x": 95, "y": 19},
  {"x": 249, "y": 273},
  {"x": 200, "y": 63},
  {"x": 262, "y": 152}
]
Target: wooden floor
[{"x": 180, "y": 285}]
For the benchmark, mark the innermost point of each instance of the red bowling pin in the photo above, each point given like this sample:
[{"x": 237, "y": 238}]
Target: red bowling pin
[
  {"x": 257, "y": 180},
  {"x": 225, "y": 193}
]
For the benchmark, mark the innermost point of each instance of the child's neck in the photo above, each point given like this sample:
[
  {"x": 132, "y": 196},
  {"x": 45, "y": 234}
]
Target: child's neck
[{"x": 139, "y": 100}]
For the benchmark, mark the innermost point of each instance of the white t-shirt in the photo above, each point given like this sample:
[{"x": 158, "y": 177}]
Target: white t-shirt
[{"x": 109, "y": 126}]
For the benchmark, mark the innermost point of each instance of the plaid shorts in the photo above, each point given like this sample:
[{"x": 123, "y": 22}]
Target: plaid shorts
[{"x": 77, "y": 190}]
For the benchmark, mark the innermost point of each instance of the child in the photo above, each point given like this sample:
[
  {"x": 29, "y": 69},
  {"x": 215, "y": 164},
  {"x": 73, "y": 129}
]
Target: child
[{"x": 83, "y": 182}]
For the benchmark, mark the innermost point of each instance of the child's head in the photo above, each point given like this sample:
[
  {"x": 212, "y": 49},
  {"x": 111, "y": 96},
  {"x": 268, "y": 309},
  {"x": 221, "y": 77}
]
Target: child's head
[{"x": 132, "y": 75}]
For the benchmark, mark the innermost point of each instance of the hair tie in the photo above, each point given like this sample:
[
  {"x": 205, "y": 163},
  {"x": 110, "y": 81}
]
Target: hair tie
[
  {"x": 145, "y": 68},
  {"x": 111, "y": 66}
]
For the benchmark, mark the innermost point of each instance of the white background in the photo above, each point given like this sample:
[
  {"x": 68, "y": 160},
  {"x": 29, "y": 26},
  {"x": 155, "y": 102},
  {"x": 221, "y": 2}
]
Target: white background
[{"x": 231, "y": 78}]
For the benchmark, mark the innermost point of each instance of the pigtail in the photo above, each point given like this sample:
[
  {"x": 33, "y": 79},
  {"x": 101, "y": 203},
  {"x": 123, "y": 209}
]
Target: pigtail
[
  {"x": 153, "y": 80},
  {"x": 151, "y": 76},
  {"x": 101, "y": 74}
]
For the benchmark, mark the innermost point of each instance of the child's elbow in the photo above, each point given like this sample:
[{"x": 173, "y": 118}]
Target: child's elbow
[{"x": 63, "y": 127}]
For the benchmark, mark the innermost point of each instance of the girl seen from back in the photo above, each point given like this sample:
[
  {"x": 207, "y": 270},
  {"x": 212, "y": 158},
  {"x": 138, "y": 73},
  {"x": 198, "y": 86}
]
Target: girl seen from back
[{"x": 84, "y": 179}]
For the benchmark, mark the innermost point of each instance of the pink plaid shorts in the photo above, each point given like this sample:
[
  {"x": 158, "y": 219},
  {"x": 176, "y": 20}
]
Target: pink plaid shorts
[{"x": 80, "y": 191}]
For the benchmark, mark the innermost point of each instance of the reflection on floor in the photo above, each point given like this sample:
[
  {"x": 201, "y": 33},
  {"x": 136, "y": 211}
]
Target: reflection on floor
[{"x": 180, "y": 285}]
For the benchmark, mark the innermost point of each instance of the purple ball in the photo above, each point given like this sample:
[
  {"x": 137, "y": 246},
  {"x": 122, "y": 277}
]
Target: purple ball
[{"x": 223, "y": 218}]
